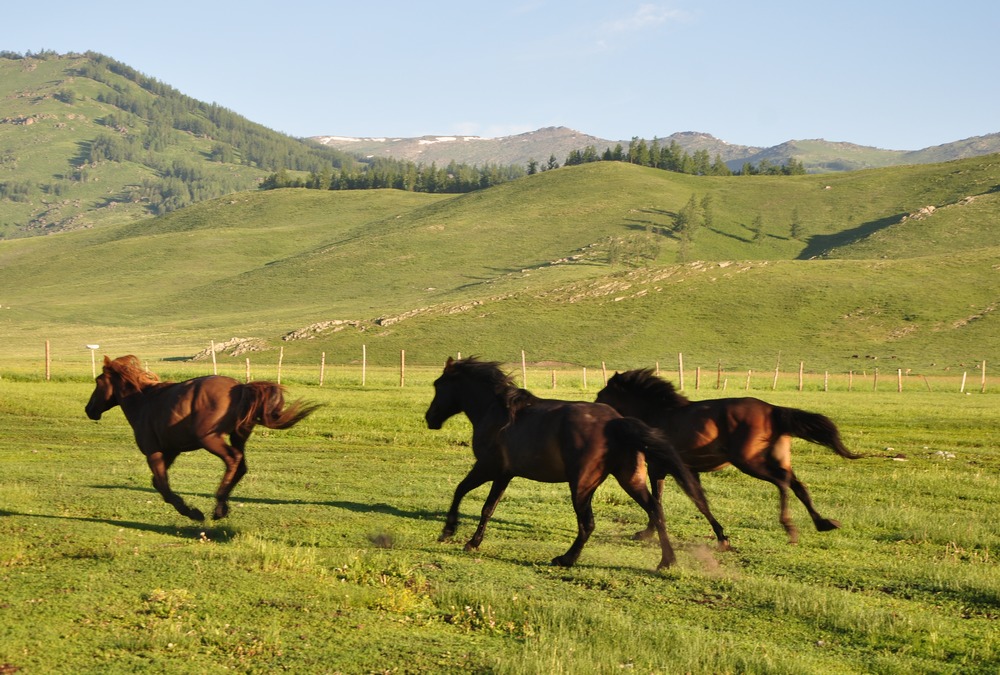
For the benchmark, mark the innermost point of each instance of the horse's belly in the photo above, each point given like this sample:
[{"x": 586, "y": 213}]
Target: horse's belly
[{"x": 704, "y": 459}]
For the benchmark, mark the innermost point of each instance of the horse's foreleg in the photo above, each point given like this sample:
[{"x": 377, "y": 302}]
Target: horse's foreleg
[
  {"x": 236, "y": 468},
  {"x": 496, "y": 492},
  {"x": 822, "y": 524},
  {"x": 158, "y": 464},
  {"x": 476, "y": 477}
]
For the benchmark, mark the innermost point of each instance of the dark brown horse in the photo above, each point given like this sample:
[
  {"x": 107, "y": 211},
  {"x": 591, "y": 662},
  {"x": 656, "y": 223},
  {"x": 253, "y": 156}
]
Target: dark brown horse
[
  {"x": 169, "y": 418},
  {"x": 515, "y": 433},
  {"x": 752, "y": 435}
]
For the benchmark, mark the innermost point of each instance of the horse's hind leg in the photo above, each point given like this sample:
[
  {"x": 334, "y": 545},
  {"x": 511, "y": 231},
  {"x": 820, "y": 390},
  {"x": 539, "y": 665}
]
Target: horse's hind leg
[
  {"x": 702, "y": 504},
  {"x": 583, "y": 495},
  {"x": 158, "y": 464},
  {"x": 636, "y": 489},
  {"x": 236, "y": 468},
  {"x": 657, "y": 490},
  {"x": 822, "y": 524}
]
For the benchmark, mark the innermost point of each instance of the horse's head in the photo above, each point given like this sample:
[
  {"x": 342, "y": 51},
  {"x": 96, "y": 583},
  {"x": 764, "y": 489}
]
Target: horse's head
[
  {"x": 118, "y": 378},
  {"x": 615, "y": 395},
  {"x": 103, "y": 398},
  {"x": 447, "y": 399}
]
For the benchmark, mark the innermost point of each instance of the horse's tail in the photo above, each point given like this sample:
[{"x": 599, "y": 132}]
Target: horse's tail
[
  {"x": 626, "y": 434},
  {"x": 812, "y": 427},
  {"x": 264, "y": 403}
]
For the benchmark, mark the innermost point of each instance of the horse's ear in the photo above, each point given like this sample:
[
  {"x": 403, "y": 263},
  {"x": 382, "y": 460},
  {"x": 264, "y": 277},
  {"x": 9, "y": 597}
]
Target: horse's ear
[
  {"x": 107, "y": 361},
  {"x": 449, "y": 363}
]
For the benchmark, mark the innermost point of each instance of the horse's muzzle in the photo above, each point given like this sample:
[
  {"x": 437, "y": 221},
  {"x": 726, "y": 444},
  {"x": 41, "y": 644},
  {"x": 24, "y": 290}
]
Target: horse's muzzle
[{"x": 92, "y": 414}]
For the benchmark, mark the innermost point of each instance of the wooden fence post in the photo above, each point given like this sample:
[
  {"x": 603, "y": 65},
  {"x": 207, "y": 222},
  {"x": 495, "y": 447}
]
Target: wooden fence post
[
  {"x": 680, "y": 371},
  {"x": 604, "y": 373},
  {"x": 402, "y": 367},
  {"x": 281, "y": 357},
  {"x": 801, "y": 371},
  {"x": 962, "y": 389},
  {"x": 364, "y": 364},
  {"x": 524, "y": 371},
  {"x": 899, "y": 379},
  {"x": 697, "y": 378},
  {"x": 875, "y": 383},
  {"x": 215, "y": 365},
  {"x": 718, "y": 376},
  {"x": 248, "y": 369},
  {"x": 322, "y": 367},
  {"x": 777, "y": 365},
  {"x": 749, "y": 372},
  {"x": 553, "y": 378},
  {"x": 982, "y": 388}
]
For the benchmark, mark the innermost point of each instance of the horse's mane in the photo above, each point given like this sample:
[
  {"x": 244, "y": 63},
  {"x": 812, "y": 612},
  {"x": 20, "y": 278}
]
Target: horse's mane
[
  {"x": 645, "y": 383},
  {"x": 131, "y": 372},
  {"x": 512, "y": 397}
]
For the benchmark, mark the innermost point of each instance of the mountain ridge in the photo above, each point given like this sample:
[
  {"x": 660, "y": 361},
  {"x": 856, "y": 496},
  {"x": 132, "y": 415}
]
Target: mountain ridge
[{"x": 816, "y": 155}]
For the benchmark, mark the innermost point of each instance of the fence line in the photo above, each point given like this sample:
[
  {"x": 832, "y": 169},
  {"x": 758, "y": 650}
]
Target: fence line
[{"x": 939, "y": 381}]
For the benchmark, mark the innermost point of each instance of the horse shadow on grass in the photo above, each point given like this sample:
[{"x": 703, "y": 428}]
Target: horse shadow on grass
[
  {"x": 193, "y": 531},
  {"x": 424, "y": 515}
]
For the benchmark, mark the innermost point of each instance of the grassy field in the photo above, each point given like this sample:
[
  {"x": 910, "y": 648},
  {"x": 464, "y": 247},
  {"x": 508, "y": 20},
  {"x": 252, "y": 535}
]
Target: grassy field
[{"x": 329, "y": 561}]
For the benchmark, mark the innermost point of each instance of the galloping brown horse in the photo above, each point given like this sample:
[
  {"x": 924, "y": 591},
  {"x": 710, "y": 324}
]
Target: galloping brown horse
[
  {"x": 515, "y": 433},
  {"x": 169, "y": 418},
  {"x": 752, "y": 435}
]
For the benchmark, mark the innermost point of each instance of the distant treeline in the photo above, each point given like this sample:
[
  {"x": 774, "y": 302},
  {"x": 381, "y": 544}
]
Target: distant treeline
[
  {"x": 672, "y": 157},
  {"x": 382, "y": 172},
  {"x": 456, "y": 178}
]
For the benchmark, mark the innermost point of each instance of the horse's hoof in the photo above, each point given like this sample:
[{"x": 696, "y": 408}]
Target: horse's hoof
[
  {"x": 561, "y": 561},
  {"x": 724, "y": 545},
  {"x": 643, "y": 535},
  {"x": 220, "y": 512},
  {"x": 195, "y": 514},
  {"x": 826, "y": 525},
  {"x": 664, "y": 564},
  {"x": 471, "y": 546}
]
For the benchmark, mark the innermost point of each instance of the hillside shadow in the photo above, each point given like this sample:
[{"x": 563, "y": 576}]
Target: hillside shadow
[
  {"x": 821, "y": 243},
  {"x": 651, "y": 225}
]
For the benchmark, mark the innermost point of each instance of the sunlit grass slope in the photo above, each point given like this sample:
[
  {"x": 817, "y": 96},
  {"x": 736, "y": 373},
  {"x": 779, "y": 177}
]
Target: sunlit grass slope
[{"x": 526, "y": 265}]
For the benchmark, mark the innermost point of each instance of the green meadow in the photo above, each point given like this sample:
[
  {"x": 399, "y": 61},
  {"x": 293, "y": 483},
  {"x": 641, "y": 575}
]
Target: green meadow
[{"x": 329, "y": 560}]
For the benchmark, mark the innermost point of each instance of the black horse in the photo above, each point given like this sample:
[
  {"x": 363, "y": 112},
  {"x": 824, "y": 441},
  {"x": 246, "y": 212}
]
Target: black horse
[
  {"x": 515, "y": 433},
  {"x": 752, "y": 435}
]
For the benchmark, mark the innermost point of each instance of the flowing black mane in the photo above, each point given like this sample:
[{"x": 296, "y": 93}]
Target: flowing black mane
[
  {"x": 512, "y": 397},
  {"x": 645, "y": 383}
]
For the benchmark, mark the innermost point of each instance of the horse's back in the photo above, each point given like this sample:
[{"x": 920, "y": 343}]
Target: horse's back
[
  {"x": 550, "y": 437},
  {"x": 182, "y": 413}
]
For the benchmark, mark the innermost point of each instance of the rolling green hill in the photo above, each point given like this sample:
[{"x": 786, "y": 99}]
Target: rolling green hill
[
  {"x": 87, "y": 141},
  {"x": 579, "y": 265}
]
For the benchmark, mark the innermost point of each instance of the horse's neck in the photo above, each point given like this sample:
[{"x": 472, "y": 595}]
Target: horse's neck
[
  {"x": 134, "y": 400},
  {"x": 485, "y": 411}
]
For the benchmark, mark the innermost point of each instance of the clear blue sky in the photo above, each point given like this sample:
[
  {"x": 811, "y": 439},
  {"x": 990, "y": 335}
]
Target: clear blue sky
[{"x": 898, "y": 74}]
